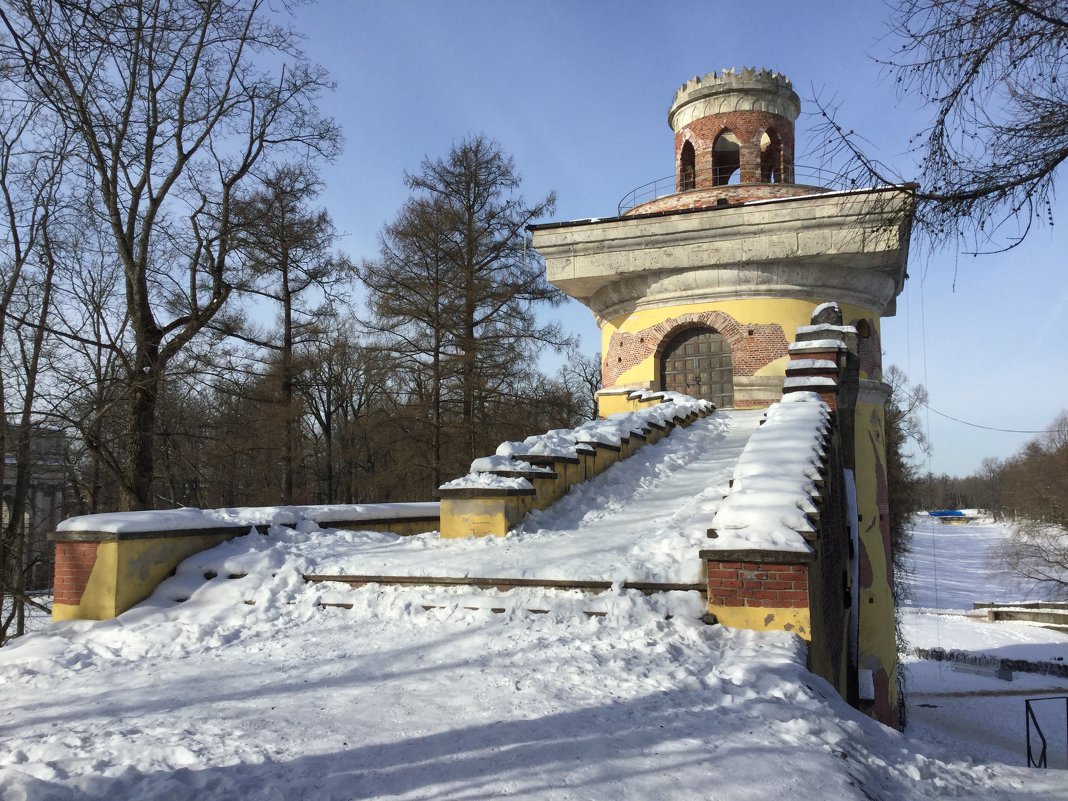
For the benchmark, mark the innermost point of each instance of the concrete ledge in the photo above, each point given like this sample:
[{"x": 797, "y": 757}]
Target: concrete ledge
[
  {"x": 128, "y": 536},
  {"x": 483, "y": 492},
  {"x": 392, "y": 525},
  {"x": 550, "y": 460},
  {"x": 1059, "y": 669},
  {"x": 505, "y": 583},
  {"x": 758, "y": 556}
]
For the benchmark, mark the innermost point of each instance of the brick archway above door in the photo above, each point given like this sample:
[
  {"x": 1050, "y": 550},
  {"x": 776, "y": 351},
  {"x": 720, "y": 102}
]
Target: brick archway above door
[{"x": 753, "y": 345}]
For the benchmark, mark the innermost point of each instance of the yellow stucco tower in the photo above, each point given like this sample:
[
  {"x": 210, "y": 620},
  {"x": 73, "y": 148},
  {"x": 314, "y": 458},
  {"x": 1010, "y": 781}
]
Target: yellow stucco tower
[{"x": 702, "y": 281}]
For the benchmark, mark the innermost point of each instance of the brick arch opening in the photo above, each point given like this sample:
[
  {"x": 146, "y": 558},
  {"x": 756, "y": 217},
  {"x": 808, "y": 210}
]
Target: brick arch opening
[
  {"x": 753, "y": 345},
  {"x": 772, "y": 166},
  {"x": 726, "y": 158},
  {"x": 687, "y": 167},
  {"x": 697, "y": 360}
]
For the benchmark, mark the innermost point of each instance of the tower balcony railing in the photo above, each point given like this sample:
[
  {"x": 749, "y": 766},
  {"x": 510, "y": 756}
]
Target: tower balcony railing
[{"x": 703, "y": 180}]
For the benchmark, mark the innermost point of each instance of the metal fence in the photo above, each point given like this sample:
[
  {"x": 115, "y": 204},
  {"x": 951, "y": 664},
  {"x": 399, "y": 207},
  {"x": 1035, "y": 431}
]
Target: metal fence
[{"x": 702, "y": 179}]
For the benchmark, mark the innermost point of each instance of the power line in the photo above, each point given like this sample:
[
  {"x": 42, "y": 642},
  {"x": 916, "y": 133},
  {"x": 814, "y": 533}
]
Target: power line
[{"x": 985, "y": 428}]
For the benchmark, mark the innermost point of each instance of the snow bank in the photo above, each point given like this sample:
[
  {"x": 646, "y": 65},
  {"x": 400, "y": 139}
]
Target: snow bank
[
  {"x": 775, "y": 480},
  {"x": 504, "y": 464},
  {"x": 487, "y": 481},
  {"x": 282, "y": 698}
]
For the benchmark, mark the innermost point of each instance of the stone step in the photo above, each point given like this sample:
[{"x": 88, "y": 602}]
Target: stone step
[{"x": 595, "y": 587}]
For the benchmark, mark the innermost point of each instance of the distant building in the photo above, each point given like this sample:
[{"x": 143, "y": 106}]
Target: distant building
[
  {"x": 731, "y": 281},
  {"x": 45, "y": 502}
]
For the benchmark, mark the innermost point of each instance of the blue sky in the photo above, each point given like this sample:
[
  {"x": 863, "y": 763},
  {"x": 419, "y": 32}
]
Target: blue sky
[{"x": 578, "y": 93}]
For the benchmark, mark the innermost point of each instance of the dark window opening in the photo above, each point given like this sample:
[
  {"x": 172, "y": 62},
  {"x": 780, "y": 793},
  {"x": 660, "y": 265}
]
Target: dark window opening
[{"x": 687, "y": 168}]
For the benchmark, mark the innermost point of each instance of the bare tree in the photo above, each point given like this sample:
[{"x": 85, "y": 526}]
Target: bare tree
[
  {"x": 903, "y": 432},
  {"x": 344, "y": 387},
  {"x": 287, "y": 248},
  {"x": 995, "y": 73},
  {"x": 32, "y": 162},
  {"x": 582, "y": 378},
  {"x": 415, "y": 310},
  {"x": 1034, "y": 487},
  {"x": 493, "y": 275},
  {"x": 169, "y": 114}
]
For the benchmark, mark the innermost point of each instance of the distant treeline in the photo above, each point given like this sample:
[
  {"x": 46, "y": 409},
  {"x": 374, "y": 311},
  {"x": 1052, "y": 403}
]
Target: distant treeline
[{"x": 1032, "y": 484}]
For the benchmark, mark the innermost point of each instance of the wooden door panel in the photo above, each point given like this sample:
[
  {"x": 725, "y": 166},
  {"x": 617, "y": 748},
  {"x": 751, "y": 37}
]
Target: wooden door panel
[{"x": 698, "y": 362}]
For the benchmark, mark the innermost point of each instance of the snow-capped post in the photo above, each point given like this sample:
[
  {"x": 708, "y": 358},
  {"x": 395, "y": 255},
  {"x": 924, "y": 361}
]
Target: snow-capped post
[{"x": 762, "y": 537}]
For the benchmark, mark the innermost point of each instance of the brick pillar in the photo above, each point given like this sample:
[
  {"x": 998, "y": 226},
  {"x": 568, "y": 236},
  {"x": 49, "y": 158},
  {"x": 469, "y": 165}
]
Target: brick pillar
[
  {"x": 74, "y": 565},
  {"x": 763, "y": 590}
]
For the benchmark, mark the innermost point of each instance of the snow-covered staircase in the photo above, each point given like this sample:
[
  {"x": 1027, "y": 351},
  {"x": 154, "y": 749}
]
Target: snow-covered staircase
[{"x": 636, "y": 529}]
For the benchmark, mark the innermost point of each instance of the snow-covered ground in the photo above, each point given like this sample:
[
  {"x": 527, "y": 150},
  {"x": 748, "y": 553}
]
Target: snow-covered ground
[
  {"x": 281, "y": 698},
  {"x": 981, "y": 716}
]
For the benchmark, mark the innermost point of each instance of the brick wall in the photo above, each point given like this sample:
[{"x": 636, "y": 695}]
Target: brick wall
[
  {"x": 869, "y": 349},
  {"x": 74, "y": 564},
  {"x": 758, "y": 584},
  {"x": 752, "y": 346},
  {"x": 747, "y": 126}
]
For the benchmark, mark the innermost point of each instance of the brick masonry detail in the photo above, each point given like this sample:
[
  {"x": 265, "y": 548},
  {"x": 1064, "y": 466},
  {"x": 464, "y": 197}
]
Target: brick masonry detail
[
  {"x": 74, "y": 565},
  {"x": 752, "y": 346},
  {"x": 752, "y": 584}
]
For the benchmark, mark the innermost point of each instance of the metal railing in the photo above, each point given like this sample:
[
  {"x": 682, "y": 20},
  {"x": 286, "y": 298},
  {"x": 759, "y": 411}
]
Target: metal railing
[
  {"x": 704, "y": 179},
  {"x": 1031, "y": 721}
]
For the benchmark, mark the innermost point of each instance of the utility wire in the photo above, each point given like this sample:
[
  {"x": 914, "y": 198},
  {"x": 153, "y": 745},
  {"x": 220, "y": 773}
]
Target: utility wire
[{"x": 985, "y": 428}]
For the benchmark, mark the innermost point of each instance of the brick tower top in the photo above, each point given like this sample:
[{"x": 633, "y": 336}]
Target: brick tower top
[{"x": 734, "y": 141}]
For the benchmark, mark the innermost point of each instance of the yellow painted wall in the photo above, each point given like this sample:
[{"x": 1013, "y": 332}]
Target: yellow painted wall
[
  {"x": 614, "y": 403},
  {"x": 877, "y": 642},
  {"x": 127, "y": 572},
  {"x": 765, "y": 618},
  {"x": 482, "y": 517}
]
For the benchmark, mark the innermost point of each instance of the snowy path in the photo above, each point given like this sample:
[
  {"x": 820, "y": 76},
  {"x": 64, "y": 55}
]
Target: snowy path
[{"x": 643, "y": 519}]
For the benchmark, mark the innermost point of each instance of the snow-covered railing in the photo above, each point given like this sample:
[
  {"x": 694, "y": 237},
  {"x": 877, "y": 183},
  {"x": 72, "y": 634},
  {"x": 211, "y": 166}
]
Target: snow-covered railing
[
  {"x": 757, "y": 562},
  {"x": 501, "y": 489},
  {"x": 773, "y": 498},
  {"x": 132, "y": 525}
]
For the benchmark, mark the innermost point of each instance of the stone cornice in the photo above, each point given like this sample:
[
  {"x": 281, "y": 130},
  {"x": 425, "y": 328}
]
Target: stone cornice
[{"x": 851, "y": 246}]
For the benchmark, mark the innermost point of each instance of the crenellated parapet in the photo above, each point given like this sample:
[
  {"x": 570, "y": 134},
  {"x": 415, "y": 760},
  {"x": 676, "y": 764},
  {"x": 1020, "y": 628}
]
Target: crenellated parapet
[{"x": 729, "y": 91}]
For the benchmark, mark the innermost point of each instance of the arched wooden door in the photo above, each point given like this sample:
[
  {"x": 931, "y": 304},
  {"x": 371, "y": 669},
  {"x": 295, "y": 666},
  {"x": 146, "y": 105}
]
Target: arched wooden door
[{"x": 697, "y": 362}]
